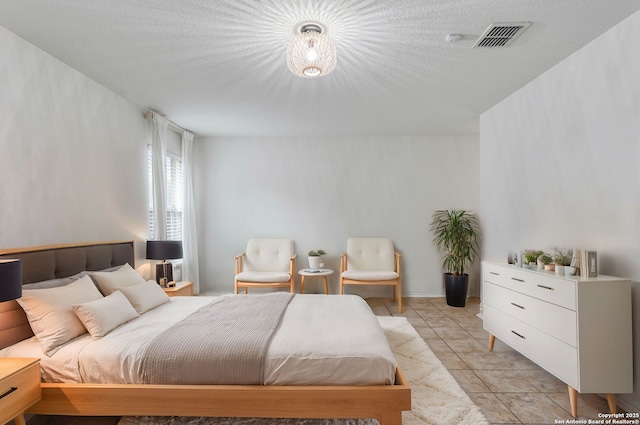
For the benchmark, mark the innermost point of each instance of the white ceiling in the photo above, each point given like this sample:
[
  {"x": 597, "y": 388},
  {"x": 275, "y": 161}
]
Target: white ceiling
[{"x": 218, "y": 67}]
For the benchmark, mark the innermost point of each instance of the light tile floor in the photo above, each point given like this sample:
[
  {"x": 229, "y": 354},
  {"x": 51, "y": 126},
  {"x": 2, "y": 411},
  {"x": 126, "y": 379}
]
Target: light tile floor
[{"x": 506, "y": 386}]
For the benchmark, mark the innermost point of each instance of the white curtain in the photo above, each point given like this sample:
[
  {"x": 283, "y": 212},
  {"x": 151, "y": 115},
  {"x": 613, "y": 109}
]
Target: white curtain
[
  {"x": 190, "y": 271},
  {"x": 159, "y": 126}
]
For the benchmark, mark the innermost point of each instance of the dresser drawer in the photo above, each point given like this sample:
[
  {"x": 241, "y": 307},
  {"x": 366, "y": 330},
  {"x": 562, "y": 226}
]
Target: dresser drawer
[
  {"x": 27, "y": 391},
  {"x": 541, "y": 285},
  {"x": 551, "y": 319},
  {"x": 500, "y": 275},
  {"x": 555, "y": 356}
]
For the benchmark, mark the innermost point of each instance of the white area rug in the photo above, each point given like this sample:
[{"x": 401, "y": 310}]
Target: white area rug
[{"x": 436, "y": 397}]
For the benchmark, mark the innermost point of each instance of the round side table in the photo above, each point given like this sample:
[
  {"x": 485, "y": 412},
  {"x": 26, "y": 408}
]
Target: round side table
[{"x": 315, "y": 272}]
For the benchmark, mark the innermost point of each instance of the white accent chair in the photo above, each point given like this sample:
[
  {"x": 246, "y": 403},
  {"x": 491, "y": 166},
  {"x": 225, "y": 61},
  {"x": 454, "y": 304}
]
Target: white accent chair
[
  {"x": 267, "y": 263},
  {"x": 371, "y": 261}
]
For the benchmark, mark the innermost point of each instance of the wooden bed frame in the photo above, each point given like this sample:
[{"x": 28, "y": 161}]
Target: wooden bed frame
[{"x": 382, "y": 402}]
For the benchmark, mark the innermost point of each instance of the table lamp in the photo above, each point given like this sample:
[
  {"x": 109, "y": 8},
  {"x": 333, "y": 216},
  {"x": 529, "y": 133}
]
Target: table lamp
[
  {"x": 164, "y": 250},
  {"x": 10, "y": 279}
]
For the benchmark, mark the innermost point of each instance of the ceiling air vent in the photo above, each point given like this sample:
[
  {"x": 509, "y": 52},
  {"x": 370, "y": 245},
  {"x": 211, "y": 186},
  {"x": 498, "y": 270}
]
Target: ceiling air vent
[{"x": 501, "y": 34}]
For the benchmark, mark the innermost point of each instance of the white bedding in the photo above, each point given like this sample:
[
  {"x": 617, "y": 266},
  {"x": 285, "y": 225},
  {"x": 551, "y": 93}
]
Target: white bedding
[{"x": 323, "y": 340}]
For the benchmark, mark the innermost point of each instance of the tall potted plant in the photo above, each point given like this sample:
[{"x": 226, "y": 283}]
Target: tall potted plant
[{"x": 457, "y": 234}]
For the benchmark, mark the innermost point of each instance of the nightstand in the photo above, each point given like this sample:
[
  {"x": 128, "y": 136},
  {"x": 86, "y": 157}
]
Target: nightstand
[
  {"x": 19, "y": 387},
  {"x": 182, "y": 289}
]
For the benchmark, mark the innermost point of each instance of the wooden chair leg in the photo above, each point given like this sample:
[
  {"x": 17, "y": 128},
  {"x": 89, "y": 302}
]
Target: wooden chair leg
[
  {"x": 341, "y": 287},
  {"x": 399, "y": 298},
  {"x": 301, "y": 284},
  {"x": 235, "y": 287}
]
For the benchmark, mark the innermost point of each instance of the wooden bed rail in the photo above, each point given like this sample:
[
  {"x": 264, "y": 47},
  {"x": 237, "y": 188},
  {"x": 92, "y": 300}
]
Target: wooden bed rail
[{"x": 384, "y": 402}]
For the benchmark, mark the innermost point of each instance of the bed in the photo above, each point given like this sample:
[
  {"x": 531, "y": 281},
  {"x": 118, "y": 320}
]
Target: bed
[{"x": 283, "y": 396}]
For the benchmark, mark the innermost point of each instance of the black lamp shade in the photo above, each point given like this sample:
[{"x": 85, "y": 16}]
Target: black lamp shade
[
  {"x": 10, "y": 280},
  {"x": 164, "y": 250}
]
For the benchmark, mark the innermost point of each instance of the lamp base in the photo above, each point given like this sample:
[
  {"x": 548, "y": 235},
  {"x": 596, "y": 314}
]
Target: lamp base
[{"x": 160, "y": 275}]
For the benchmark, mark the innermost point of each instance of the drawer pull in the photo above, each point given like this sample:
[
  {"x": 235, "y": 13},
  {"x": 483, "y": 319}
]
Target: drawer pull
[
  {"x": 545, "y": 287},
  {"x": 494, "y": 273},
  {"x": 519, "y": 280},
  {"x": 516, "y": 333},
  {"x": 516, "y": 305},
  {"x": 12, "y": 389}
]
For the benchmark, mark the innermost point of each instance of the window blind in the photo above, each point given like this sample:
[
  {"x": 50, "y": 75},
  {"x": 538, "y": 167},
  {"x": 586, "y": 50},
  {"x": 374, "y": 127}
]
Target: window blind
[{"x": 175, "y": 196}]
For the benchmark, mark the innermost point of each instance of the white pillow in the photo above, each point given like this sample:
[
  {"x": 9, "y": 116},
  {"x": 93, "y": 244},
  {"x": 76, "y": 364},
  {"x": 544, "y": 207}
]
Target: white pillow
[
  {"x": 105, "y": 314},
  {"x": 109, "y": 282},
  {"x": 50, "y": 313},
  {"x": 146, "y": 296}
]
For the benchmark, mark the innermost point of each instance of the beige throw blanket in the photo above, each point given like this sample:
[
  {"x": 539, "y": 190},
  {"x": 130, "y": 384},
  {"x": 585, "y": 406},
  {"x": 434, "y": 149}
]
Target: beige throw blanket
[{"x": 222, "y": 343}]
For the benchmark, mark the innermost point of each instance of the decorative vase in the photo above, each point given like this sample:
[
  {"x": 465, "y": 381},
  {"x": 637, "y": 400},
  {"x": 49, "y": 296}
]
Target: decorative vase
[
  {"x": 569, "y": 271},
  {"x": 314, "y": 262},
  {"x": 559, "y": 269},
  {"x": 549, "y": 267}
]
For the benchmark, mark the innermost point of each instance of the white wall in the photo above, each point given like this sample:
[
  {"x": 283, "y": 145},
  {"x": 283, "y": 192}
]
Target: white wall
[
  {"x": 318, "y": 192},
  {"x": 73, "y": 154},
  {"x": 560, "y": 163}
]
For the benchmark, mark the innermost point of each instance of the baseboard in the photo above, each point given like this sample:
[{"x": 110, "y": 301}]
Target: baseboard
[{"x": 479, "y": 315}]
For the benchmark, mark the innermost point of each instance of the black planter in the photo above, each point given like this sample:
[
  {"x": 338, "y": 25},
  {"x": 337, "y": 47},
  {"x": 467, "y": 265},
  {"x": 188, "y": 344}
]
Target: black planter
[{"x": 455, "y": 288}]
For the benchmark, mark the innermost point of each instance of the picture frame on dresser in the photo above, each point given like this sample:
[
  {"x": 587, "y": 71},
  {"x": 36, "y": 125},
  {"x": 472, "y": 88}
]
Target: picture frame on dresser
[{"x": 578, "y": 329}]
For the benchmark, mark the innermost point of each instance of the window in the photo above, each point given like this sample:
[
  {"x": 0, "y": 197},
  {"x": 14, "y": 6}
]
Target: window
[{"x": 174, "y": 196}]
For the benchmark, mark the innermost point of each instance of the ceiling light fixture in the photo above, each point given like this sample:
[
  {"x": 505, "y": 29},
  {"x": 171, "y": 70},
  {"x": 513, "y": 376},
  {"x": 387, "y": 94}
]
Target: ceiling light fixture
[{"x": 311, "y": 53}]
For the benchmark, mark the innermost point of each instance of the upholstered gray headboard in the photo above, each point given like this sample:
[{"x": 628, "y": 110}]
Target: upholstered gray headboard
[{"x": 53, "y": 262}]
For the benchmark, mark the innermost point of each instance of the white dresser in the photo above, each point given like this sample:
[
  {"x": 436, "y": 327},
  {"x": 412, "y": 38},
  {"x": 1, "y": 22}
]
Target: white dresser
[{"x": 578, "y": 329}]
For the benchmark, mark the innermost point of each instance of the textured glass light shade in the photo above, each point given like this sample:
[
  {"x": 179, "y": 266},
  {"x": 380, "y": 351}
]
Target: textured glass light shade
[{"x": 311, "y": 54}]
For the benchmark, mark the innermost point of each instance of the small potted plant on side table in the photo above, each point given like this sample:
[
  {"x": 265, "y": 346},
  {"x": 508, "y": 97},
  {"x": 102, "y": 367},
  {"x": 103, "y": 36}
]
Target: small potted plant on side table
[{"x": 315, "y": 256}]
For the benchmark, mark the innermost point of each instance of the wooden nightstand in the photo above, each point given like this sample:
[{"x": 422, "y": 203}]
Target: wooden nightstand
[
  {"x": 182, "y": 289},
  {"x": 19, "y": 387}
]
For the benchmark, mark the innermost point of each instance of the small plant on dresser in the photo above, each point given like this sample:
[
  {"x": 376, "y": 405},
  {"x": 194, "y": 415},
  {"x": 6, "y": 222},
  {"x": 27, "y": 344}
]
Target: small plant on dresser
[
  {"x": 562, "y": 258},
  {"x": 531, "y": 258},
  {"x": 545, "y": 261}
]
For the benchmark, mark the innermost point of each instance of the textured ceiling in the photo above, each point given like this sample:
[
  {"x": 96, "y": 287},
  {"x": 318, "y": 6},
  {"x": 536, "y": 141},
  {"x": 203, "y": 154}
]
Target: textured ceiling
[{"x": 218, "y": 67}]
